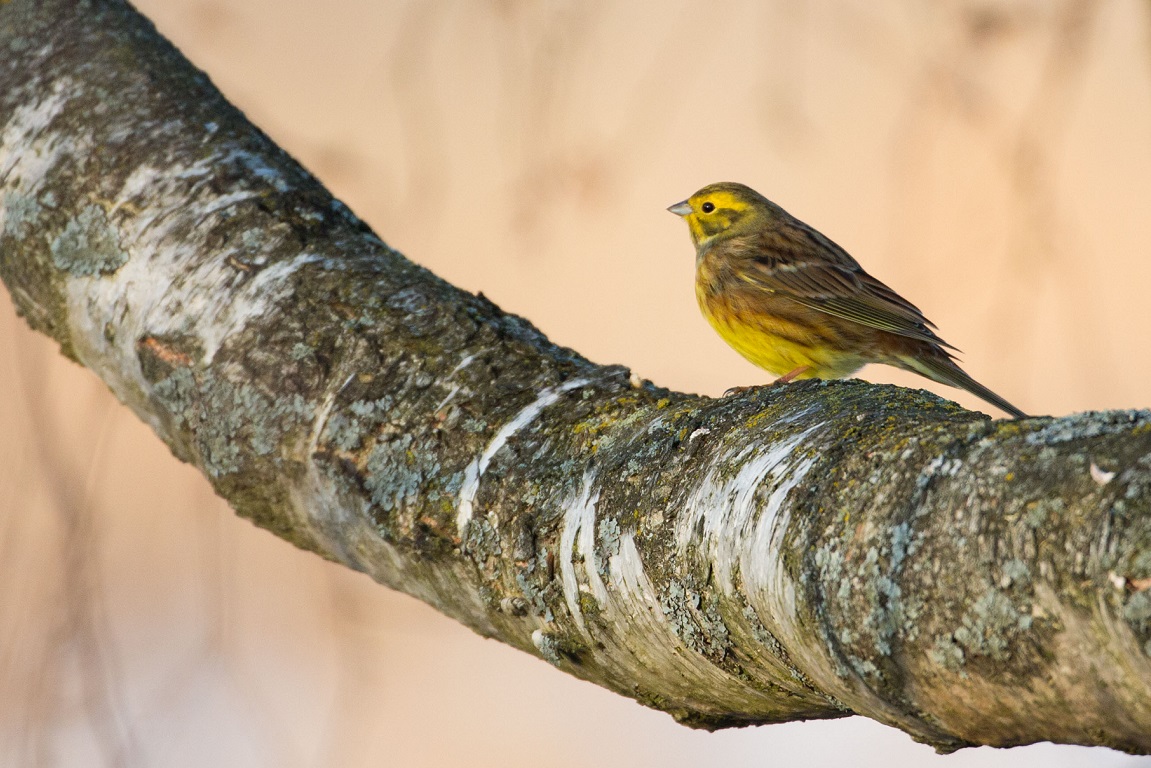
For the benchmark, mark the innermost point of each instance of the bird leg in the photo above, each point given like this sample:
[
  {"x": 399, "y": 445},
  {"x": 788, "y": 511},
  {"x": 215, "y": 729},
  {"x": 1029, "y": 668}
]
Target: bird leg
[
  {"x": 787, "y": 377},
  {"x": 784, "y": 379}
]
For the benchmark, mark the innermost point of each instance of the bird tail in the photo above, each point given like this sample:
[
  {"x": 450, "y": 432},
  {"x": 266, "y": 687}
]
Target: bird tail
[{"x": 945, "y": 371}]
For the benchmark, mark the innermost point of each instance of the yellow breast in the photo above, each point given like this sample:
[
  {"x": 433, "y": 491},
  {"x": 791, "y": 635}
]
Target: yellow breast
[{"x": 777, "y": 334}]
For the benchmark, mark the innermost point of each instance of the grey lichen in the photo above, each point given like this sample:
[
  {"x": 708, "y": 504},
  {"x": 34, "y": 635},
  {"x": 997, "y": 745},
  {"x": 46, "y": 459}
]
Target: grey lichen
[
  {"x": 947, "y": 653},
  {"x": 21, "y": 213},
  {"x": 1016, "y": 572},
  {"x": 992, "y": 625},
  {"x": 225, "y": 416},
  {"x": 1081, "y": 426},
  {"x": 395, "y": 472},
  {"x": 1038, "y": 511},
  {"x": 696, "y": 622},
  {"x": 346, "y": 428},
  {"x": 548, "y": 646},
  {"x": 712, "y": 623},
  {"x": 89, "y": 245},
  {"x": 482, "y": 540},
  {"x": 536, "y": 588},
  {"x": 1137, "y": 612},
  {"x": 674, "y": 602},
  {"x": 607, "y": 543}
]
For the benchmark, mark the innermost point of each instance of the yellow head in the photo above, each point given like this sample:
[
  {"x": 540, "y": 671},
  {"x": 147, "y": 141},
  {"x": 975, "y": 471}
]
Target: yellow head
[{"x": 723, "y": 210}]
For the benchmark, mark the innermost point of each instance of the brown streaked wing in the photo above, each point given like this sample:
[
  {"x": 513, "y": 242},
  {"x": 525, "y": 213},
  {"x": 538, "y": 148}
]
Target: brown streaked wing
[{"x": 801, "y": 263}]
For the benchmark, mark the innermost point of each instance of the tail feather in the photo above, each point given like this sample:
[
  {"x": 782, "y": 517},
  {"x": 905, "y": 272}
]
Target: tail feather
[{"x": 945, "y": 371}]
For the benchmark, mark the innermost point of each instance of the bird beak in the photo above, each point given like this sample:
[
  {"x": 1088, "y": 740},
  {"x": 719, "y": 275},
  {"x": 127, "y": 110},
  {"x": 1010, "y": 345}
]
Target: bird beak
[{"x": 681, "y": 209}]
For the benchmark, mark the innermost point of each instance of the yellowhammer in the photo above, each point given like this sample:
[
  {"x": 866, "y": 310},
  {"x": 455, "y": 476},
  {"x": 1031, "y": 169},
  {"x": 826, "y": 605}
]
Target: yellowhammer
[{"x": 796, "y": 304}]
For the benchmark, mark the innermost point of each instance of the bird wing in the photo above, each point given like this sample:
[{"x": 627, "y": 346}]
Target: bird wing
[{"x": 800, "y": 263}]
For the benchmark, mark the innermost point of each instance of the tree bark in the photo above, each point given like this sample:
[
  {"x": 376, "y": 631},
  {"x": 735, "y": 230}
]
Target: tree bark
[{"x": 807, "y": 551}]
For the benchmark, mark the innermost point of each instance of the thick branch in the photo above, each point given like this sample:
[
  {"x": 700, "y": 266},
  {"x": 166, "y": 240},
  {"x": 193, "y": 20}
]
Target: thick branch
[{"x": 807, "y": 551}]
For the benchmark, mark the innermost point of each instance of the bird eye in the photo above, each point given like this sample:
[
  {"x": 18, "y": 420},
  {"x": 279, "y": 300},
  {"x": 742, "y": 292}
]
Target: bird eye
[{"x": 707, "y": 207}]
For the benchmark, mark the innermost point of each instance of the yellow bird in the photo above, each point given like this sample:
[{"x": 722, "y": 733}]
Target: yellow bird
[{"x": 797, "y": 305}]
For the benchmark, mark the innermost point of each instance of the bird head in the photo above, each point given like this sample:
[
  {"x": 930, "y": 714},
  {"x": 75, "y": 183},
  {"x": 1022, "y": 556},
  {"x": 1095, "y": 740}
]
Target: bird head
[{"x": 723, "y": 210}]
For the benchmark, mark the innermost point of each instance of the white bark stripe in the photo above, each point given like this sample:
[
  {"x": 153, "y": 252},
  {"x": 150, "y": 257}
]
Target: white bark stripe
[{"x": 475, "y": 471}]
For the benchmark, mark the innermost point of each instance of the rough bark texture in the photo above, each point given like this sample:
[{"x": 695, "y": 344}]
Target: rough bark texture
[{"x": 807, "y": 551}]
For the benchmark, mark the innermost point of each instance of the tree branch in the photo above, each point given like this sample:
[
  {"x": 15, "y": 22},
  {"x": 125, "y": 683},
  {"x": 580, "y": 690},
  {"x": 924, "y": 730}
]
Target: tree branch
[{"x": 807, "y": 551}]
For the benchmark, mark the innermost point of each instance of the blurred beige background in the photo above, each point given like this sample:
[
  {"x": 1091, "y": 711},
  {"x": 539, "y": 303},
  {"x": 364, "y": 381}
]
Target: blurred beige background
[{"x": 990, "y": 160}]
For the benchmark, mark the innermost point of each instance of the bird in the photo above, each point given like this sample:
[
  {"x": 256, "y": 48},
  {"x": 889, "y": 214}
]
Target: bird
[{"x": 794, "y": 303}]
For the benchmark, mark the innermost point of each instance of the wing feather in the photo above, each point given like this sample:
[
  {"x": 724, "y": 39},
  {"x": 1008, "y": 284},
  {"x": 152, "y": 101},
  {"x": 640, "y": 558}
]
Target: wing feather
[{"x": 796, "y": 261}]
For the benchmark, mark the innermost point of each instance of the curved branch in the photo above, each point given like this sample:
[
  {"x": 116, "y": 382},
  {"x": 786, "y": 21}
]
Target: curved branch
[{"x": 807, "y": 551}]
